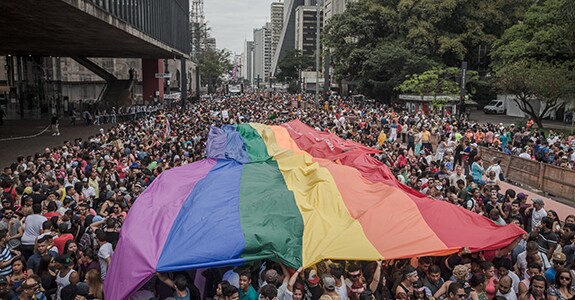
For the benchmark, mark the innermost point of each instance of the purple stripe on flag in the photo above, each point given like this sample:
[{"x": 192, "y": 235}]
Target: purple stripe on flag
[{"x": 147, "y": 227}]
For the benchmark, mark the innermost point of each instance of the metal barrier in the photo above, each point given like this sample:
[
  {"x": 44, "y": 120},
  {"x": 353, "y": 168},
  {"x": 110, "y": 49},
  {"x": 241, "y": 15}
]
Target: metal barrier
[{"x": 550, "y": 179}]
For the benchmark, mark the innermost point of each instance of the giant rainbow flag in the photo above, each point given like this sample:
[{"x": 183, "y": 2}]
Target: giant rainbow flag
[{"x": 290, "y": 193}]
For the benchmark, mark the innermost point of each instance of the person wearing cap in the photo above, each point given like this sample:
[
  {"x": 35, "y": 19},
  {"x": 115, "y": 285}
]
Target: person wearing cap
[
  {"x": 337, "y": 271},
  {"x": 65, "y": 275},
  {"x": 329, "y": 292},
  {"x": 558, "y": 262},
  {"x": 5, "y": 291},
  {"x": 88, "y": 191},
  {"x": 32, "y": 289},
  {"x": 312, "y": 283},
  {"x": 537, "y": 213}
]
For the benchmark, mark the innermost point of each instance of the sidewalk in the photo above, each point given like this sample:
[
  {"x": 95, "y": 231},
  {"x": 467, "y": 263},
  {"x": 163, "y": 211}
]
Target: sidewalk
[
  {"x": 10, "y": 150},
  {"x": 482, "y": 118},
  {"x": 562, "y": 210}
]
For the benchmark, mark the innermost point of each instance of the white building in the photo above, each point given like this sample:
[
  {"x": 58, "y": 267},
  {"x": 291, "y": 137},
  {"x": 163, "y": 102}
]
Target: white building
[
  {"x": 262, "y": 60},
  {"x": 247, "y": 62},
  {"x": 277, "y": 21}
]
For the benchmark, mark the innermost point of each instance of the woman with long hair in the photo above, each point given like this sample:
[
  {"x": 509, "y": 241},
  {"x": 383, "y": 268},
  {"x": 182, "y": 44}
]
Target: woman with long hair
[
  {"x": 295, "y": 290},
  {"x": 71, "y": 247},
  {"x": 556, "y": 221},
  {"x": 47, "y": 275},
  {"x": 95, "y": 285},
  {"x": 562, "y": 287},
  {"x": 478, "y": 283},
  {"x": 490, "y": 280},
  {"x": 220, "y": 290}
]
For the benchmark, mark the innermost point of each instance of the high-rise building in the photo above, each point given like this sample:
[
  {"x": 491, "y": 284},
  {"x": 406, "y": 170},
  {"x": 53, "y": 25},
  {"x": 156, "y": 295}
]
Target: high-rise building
[
  {"x": 247, "y": 62},
  {"x": 277, "y": 21},
  {"x": 262, "y": 53},
  {"x": 334, "y": 7},
  {"x": 287, "y": 38},
  {"x": 306, "y": 29}
]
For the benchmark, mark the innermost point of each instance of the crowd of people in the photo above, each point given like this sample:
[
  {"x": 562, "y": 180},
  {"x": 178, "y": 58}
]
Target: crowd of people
[{"x": 63, "y": 209}]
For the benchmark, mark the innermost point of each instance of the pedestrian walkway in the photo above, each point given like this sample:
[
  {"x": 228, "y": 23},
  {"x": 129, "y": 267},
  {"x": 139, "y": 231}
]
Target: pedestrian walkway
[
  {"x": 562, "y": 210},
  {"x": 480, "y": 117},
  {"x": 10, "y": 150}
]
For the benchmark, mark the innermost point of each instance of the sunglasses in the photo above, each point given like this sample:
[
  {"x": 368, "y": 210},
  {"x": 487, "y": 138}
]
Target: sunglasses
[
  {"x": 461, "y": 296},
  {"x": 565, "y": 278}
]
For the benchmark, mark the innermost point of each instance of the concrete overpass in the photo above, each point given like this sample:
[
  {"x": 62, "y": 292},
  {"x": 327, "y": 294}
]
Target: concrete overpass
[
  {"x": 152, "y": 30},
  {"x": 140, "y": 28}
]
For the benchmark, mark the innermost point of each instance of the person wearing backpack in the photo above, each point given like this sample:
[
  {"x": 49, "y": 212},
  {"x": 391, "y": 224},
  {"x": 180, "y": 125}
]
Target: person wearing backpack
[{"x": 542, "y": 153}]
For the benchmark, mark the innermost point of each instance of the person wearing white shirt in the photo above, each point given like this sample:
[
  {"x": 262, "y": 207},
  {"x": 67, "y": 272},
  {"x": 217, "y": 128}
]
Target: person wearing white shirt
[
  {"x": 525, "y": 155},
  {"x": 495, "y": 167},
  {"x": 537, "y": 212},
  {"x": 521, "y": 264},
  {"x": 504, "y": 288}
]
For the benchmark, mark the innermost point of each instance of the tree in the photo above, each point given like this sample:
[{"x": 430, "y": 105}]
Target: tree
[
  {"x": 291, "y": 64},
  {"x": 547, "y": 33},
  {"x": 213, "y": 64},
  {"x": 437, "y": 81},
  {"x": 377, "y": 43},
  {"x": 550, "y": 84}
]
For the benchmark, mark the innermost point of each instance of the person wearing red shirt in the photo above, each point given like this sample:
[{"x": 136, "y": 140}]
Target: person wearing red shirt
[
  {"x": 62, "y": 238},
  {"x": 52, "y": 207}
]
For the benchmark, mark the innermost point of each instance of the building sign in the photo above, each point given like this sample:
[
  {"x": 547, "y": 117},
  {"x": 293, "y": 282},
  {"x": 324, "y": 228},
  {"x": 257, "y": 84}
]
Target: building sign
[
  {"x": 427, "y": 98},
  {"x": 163, "y": 75}
]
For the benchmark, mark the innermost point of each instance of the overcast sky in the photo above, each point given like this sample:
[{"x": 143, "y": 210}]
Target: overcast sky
[{"x": 232, "y": 21}]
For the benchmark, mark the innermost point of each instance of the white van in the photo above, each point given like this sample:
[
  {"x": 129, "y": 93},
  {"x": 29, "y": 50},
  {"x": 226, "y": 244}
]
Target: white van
[{"x": 495, "y": 107}]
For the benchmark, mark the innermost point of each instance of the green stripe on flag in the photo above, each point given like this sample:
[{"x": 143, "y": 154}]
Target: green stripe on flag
[
  {"x": 255, "y": 146},
  {"x": 270, "y": 218}
]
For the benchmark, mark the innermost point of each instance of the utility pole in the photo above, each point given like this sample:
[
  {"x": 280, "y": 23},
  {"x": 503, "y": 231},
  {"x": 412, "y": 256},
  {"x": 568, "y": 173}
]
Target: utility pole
[
  {"x": 317, "y": 50},
  {"x": 462, "y": 89}
]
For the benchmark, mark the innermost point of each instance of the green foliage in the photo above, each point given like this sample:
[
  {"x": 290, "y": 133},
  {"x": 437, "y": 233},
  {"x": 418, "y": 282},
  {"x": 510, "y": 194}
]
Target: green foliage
[
  {"x": 213, "y": 64},
  {"x": 377, "y": 43},
  {"x": 437, "y": 81},
  {"x": 535, "y": 59},
  {"x": 547, "y": 33},
  {"x": 552, "y": 84},
  {"x": 293, "y": 87},
  {"x": 290, "y": 65}
]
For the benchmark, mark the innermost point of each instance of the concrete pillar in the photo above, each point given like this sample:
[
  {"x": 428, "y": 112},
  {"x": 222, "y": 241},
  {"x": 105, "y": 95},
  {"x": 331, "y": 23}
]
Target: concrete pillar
[
  {"x": 151, "y": 84},
  {"x": 183, "y": 80}
]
